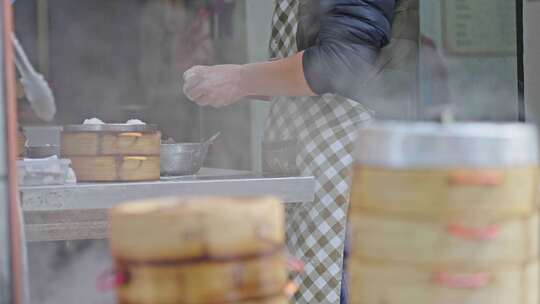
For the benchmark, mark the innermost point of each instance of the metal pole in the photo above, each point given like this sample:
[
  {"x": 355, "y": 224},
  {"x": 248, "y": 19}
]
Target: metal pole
[
  {"x": 12, "y": 270},
  {"x": 5, "y": 256},
  {"x": 6, "y": 294}
]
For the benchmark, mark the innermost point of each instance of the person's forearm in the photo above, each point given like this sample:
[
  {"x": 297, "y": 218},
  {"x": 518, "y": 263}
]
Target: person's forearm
[{"x": 283, "y": 77}]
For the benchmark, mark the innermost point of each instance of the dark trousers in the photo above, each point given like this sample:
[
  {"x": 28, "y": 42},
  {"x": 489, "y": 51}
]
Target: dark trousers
[{"x": 344, "y": 283}]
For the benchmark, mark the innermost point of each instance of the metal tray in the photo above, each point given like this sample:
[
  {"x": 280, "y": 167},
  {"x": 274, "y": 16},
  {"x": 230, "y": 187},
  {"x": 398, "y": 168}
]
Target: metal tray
[{"x": 111, "y": 128}]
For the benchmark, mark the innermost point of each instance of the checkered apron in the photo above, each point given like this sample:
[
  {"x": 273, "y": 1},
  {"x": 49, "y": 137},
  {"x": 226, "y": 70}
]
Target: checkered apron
[{"x": 323, "y": 129}]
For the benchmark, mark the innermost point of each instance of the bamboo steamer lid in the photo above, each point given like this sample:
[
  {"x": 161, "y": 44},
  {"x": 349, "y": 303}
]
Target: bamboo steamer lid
[
  {"x": 408, "y": 284},
  {"x": 431, "y": 145},
  {"x": 173, "y": 229},
  {"x": 448, "y": 243},
  {"x": 227, "y": 281}
]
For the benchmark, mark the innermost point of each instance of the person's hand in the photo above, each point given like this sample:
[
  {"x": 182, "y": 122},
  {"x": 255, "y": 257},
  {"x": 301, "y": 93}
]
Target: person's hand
[{"x": 215, "y": 86}]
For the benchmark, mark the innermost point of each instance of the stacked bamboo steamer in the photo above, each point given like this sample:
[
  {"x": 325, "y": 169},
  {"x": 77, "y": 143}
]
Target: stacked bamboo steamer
[
  {"x": 198, "y": 251},
  {"x": 112, "y": 152},
  {"x": 445, "y": 214}
]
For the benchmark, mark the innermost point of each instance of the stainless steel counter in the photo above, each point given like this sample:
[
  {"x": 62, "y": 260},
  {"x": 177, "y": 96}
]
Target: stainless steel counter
[{"x": 79, "y": 211}]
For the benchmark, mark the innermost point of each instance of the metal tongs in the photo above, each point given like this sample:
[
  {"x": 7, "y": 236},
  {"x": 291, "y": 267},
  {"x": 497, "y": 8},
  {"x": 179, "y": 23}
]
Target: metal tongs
[{"x": 37, "y": 90}]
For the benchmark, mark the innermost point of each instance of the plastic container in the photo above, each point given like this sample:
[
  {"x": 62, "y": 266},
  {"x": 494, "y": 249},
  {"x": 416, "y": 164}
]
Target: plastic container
[{"x": 42, "y": 172}]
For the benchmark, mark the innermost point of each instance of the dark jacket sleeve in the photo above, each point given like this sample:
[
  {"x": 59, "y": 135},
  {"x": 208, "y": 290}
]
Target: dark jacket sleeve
[{"x": 351, "y": 33}]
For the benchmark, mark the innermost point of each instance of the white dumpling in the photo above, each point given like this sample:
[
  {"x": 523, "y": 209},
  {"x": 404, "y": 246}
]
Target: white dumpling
[
  {"x": 135, "y": 122},
  {"x": 93, "y": 121}
]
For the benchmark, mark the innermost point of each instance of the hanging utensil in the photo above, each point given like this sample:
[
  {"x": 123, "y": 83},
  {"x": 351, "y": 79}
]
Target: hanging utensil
[{"x": 37, "y": 90}]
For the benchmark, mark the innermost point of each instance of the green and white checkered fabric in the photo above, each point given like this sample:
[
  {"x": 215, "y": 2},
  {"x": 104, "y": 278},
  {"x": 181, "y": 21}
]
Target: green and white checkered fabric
[
  {"x": 324, "y": 128},
  {"x": 284, "y": 27}
]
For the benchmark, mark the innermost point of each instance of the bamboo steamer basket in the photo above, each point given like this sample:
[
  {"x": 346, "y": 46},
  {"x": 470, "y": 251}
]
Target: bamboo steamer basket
[
  {"x": 447, "y": 243},
  {"x": 447, "y": 193},
  {"x": 376, "y": 283},
  {"x": 226, "y": 281},
  {"x": 446, "y": 171},
  {"x": 91, "y": 144},
  {"x": 206, "y": 250},
  {"x": 188, "y": 228},
  {"x": 116, "y": 168},
  {"x": 113, "y": 152},
  {"x": 111, "y": 139}
]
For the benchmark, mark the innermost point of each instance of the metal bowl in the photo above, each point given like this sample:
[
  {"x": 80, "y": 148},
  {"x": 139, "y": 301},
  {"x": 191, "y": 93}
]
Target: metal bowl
[
  {"x": 182, "y": 158},
  {"x": 42, "y": 151}
]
